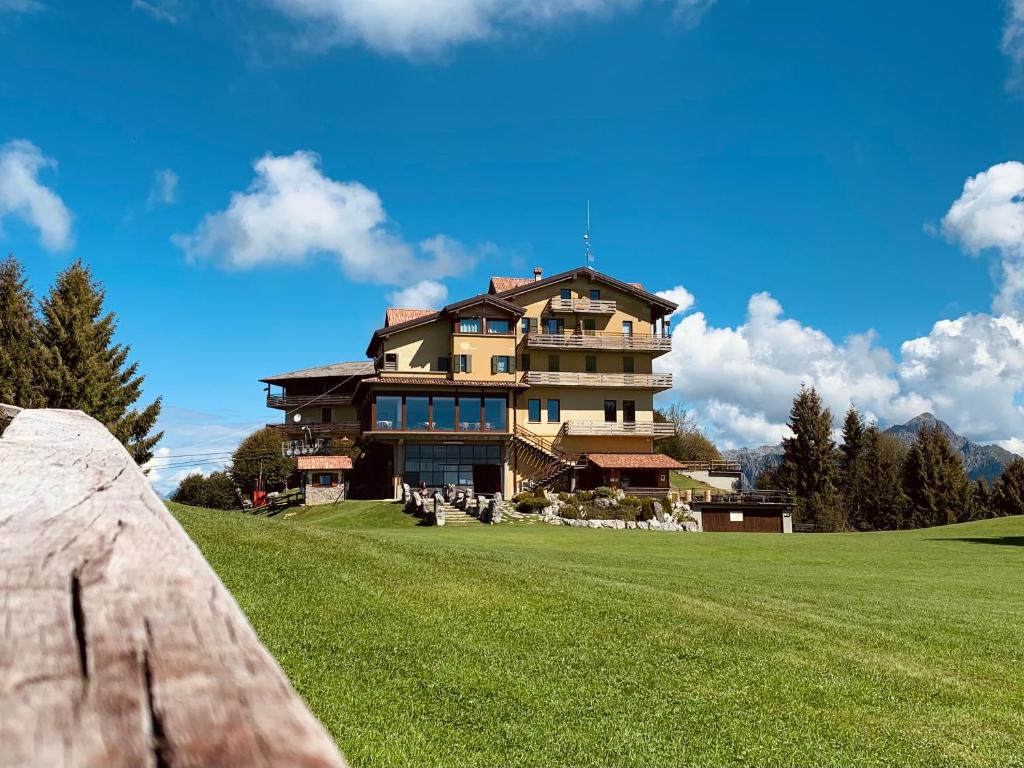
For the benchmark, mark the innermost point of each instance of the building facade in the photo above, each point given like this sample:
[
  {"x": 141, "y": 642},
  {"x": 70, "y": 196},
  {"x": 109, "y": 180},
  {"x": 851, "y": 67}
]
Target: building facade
[{"x": 539, "y": 380}]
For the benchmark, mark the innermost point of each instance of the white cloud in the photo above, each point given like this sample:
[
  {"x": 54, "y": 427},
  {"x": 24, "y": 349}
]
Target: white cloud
[
  {"x": 1013, "y": 41},
  {"x": 680, "y": 296},
  {"x": 990, "y": 214},
  {"x": 24, "y": 196},
  {"x": 161, "y": 10},
  {"x": 291, "y": 211},
  {"x": 164, "y": 189},
  {"x": 426, "y": 294},
  {"x": 410, "y": 27}
]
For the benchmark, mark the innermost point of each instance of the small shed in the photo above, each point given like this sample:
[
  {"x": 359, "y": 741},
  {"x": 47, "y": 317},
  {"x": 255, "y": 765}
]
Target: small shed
[
  {"x": 324, "y": 478},
  {"x": 748, "y": 512},
  {"x": 640, "y": 471}
]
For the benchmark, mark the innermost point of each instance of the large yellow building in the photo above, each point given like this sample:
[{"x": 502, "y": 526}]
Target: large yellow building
[{"x": 537, "y": 381}]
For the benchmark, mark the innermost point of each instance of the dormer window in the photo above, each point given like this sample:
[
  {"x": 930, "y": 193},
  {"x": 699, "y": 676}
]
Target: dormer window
[{"x": 470, "y": 325}]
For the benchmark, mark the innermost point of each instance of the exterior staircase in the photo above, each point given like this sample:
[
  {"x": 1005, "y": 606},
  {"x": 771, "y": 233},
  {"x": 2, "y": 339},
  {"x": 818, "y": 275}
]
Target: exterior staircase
[
  {"x": 455, "y": 516},
  {"x": 554, "y": 462}
]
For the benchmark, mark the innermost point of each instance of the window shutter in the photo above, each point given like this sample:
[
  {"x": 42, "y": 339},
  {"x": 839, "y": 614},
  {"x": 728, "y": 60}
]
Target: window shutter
[
  {"x": 494, "y": 364},
  {"x": 469, "y": 364},
  {"x": 511, "y": 363},
  {"x": 534, "y": 322}
]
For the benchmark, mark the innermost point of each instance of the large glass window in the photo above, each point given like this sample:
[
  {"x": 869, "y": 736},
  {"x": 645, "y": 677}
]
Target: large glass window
[
  {"x": 533, "y": 410},
  {"x": 554, "y": 325},
  {"x": 498, "y": 326},
  {"x": 437, "y": 465},
  {"x": 470, "y": 325},
  {"x": 389, "y": 412},
  {"x": 416, "y": 413},
  {"x": 444, "y": 413},
  {"x": 495, "y": 412},
  {"x": 554, "y": 411},
  {"x": 469, "y": 414}
]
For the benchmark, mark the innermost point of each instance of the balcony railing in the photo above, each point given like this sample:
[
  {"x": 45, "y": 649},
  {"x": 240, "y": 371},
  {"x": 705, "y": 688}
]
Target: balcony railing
[
  {"x": 299, "y": 401},
  {"x": 711, "y": 466},
  {"x": 329, "y": 428},
  {"x": 616, "y": 428},
  {"x": 583, "y": 306},
  {"x": 659, "y": 381},
  {"x": 643, "y": 342}
]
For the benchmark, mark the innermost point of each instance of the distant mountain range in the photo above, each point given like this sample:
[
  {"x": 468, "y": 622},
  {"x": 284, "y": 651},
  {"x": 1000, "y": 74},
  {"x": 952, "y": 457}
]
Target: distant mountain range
[{"x": 981, "y": 461}]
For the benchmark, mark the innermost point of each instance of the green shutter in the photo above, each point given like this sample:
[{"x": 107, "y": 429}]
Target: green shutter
[
  {"x": 469, "y": 364},
  {"x": 494, "y": 364},
  {"x": 511, "y": 363}
]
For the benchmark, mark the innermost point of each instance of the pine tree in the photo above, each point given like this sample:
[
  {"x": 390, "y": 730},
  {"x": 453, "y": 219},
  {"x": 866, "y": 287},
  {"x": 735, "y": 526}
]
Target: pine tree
[
  {"x": 935, "y": 482},
  {"x": 87, "y": 370},
  {"x": 22, "y": 355},
  {"x": 1008, "y": 490},
  {"x": 883, "y": 504},
  {"x": 851, "y": 468},
  {"x": 808, "y": 462}
]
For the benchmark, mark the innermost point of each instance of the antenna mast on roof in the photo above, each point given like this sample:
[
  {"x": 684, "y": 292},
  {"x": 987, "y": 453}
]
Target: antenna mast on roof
[{"x": 586, "y": 240}]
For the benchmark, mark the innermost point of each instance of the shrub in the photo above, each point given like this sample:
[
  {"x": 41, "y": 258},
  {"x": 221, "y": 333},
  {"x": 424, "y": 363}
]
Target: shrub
[
  {"x": 570, "y": 512},
  {"x": 538, "y": 493},
  {"x": 564, "y": 497},
  {"x": 666, "y": 505},
  {"x": 632, "y": 501},
  {"x": 646, "y": 510},
  {"x": 524, "y": 496},
  {"x": 585, "y": 496},
  {"x": 604, "y": 492},
  {"x": 531, "y": 505}
]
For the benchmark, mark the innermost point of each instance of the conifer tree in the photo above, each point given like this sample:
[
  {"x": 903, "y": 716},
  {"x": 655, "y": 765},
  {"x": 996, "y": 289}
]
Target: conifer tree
[
  {"x": 883, "y": 504},
  {"x": 1008, "y": 490},
  {"x": 851, "y": 468},
  {"x": 87, "y": 370},
  {"x": 935, "y": 482},
  {"x": 22, "y": 356},
  {"x": 808, "y": 462}
]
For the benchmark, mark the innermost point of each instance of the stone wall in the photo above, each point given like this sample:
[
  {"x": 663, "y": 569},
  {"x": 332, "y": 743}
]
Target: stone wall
[{"x": 324, "y": 494}]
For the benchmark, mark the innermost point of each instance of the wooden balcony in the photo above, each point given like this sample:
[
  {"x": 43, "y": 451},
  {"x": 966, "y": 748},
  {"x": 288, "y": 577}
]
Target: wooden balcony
[
  {"x": 320, "y": 429},
  {"x": 582, "y": 306},
  {"x": 640, "y": 342},
  {"x": 656, "y": 381},
  {"x": 619, "y": 429},
  {"x": 300, "y": 401}
]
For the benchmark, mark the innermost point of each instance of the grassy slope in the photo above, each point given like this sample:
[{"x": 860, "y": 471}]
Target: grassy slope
[
  {"x": 682, "y": 482},
  {"x": 535, "y": 645}
]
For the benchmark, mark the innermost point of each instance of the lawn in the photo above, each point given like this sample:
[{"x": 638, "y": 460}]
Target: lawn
[{"x": 533, "y": 645}]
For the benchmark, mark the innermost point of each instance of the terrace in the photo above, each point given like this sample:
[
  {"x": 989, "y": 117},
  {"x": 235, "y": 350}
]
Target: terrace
[
  {"x": 656, "y": 381},
  {"x": 584, "y": 306},
  {"x": 617, "y": 428},
  {"x": 641, "y": 342}
]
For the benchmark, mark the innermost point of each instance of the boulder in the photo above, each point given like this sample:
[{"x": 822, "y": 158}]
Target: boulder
[
  {"x": 654, "y": 525},
  {"x": 603, "y": 503},
  {"x": 593, "y": 523},
  {"x": 630, "y": 524},
  {"x": 494, "y": 510},
  {"x": 642, "y": 525}
]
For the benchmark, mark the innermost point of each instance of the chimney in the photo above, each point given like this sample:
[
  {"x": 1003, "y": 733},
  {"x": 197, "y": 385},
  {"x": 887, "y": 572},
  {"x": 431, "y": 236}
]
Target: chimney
[{"x": 537, "y": 272}]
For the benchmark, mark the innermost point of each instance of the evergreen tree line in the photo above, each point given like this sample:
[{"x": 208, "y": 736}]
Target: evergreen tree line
[
  {"x": 873, "y": 482},
  {"x": 60, "y": 353}
]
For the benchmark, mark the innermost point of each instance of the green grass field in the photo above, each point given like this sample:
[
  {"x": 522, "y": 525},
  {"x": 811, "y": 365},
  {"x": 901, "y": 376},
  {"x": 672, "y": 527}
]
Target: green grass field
[{"x": 533, "y": 645}]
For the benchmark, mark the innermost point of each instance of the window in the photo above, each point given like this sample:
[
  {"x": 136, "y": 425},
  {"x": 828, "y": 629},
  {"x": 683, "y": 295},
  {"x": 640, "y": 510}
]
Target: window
[
  {"x": 503, "y": 364},
  {"x": 469, "y": 414},
  {"x": 525, "y": 361},
  {"x": 524, "y": 325},
  {"x": 390, "y": 361},
  {"x": 444, "y": 414},
  {"x": 595, "y": 294},
  {"x": 325, "y": 479},
  {"x": 629, "y": 411},
  {"x": 591, "y": 363},
  {"x": 325, "y": 415},
  {"x": 463, "y": 363},
  {"x": 589, "y": 326},
  {"x": 553, "y": 363},
  {"x": 389, "y": 412},
  {"x": 627, "y": 327},
  {"x": 498, "y": 326},
  {"x": 470, "y": 325},
  {"x": 533, "y": 410},
  {"x": 444, "y": 364},
  {"x": 436, "y": 465},
  {"x": 417, "y": 414},
  {"x": 609, "y": 411},
  {"x": 554, "y": 411},
  {"x": 495, "y": 412},
  {"x": 554, "y": 325},
  {"x": 628, "y": 365},
  {"x": 565, "y": 294}
]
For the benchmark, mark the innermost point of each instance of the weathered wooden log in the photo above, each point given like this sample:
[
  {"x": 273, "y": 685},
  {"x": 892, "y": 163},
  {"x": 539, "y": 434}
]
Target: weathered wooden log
[{"x": 119, "y": 646}]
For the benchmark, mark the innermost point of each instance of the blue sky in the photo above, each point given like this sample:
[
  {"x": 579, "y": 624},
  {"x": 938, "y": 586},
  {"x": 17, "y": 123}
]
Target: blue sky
[{"x": 814, "y": 152}]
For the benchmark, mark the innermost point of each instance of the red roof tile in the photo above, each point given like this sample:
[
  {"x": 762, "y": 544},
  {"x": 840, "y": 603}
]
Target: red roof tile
[
  {"x": 394, "y": 316},
  {"x": 633, "y": 461},
  {"x": 324, "y": 462},
  {"x": 500, "y": 284}
]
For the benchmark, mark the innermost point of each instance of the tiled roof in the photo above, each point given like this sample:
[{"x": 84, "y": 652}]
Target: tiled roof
[
  {"x": 633, "y": 461},
  {"x": 324, "y": 462},
  {"x": 638, "y": 286},
  {"x": 500, "y": 284},
  {"x": 394, "y": 316},
  {"x": 439, "y": 382},
  {"x": 352, "y": 368}
]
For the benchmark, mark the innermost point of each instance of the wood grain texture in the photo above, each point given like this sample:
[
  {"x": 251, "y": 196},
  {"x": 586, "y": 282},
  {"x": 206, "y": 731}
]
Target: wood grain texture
[{"x": 119, "y": 646}]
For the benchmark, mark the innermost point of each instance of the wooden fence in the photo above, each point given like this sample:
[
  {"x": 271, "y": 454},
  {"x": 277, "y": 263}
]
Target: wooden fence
[{"x": 119, "y": 646}]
